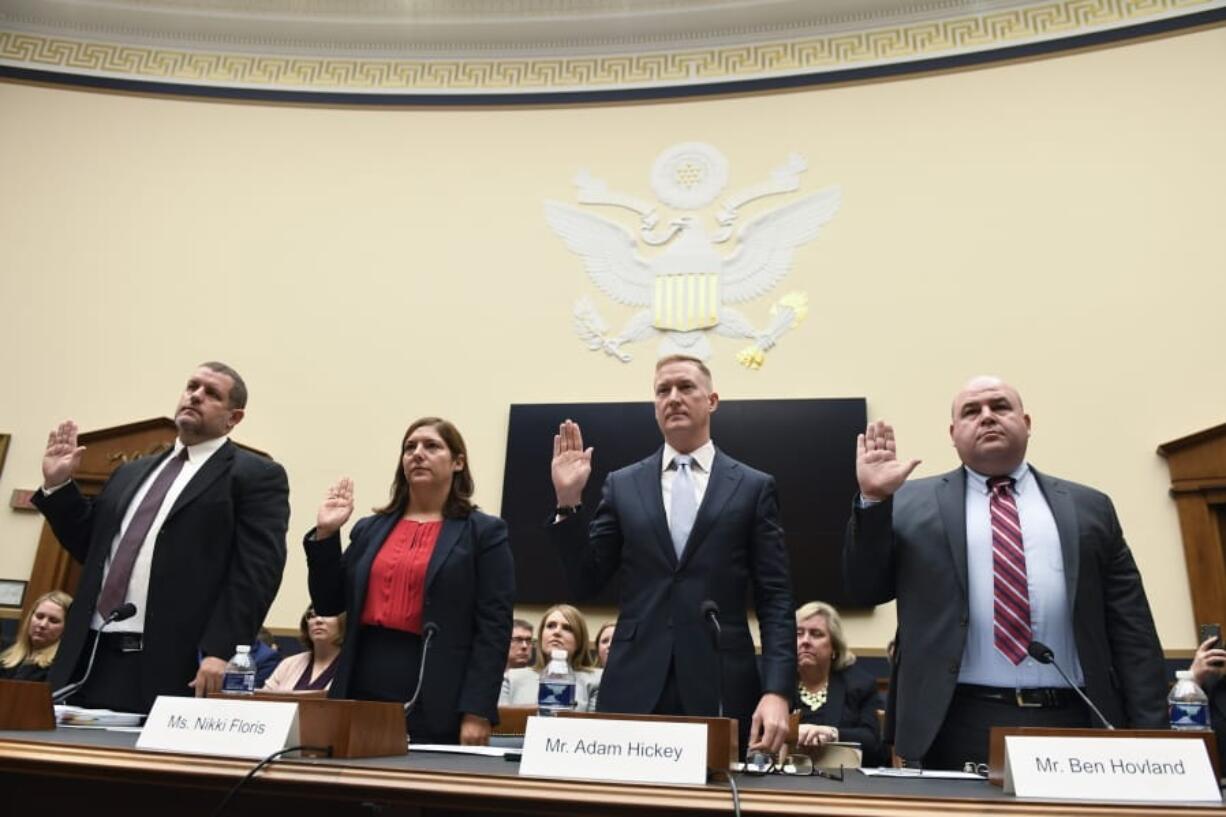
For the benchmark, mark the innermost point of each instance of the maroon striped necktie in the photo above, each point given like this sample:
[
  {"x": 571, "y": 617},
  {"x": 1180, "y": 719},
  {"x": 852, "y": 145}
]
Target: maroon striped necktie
[
  {"x": 119, "y": 573},
  {"x": 1011, "y": 603}
]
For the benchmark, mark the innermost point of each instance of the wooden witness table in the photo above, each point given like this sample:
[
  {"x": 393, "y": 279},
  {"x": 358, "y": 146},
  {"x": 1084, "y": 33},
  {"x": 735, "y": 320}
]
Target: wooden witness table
[{"x": 70, "y": 769}]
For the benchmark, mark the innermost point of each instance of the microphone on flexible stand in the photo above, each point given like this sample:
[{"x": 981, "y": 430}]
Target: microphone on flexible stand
[
  {"x": 1043, "y": 654},
  {"x": 121, "y": 613},
  {"x": 428, "y": 632},
  {"x": 710, "y": 613}
]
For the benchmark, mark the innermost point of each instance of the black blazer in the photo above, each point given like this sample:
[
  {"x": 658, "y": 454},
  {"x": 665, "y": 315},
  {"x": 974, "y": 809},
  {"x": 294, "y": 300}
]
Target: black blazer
[
  {"x": 913, "y": 547},
  {"x": 215, "y": 572},
  {"x": 736, "y": 544},
  {"x": 470, "y": 595},
  {"x": 851, "y": 707}
]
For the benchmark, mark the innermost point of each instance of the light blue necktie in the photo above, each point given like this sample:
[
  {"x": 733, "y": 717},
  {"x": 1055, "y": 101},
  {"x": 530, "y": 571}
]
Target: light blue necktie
[{"x": 684, "y": 503}]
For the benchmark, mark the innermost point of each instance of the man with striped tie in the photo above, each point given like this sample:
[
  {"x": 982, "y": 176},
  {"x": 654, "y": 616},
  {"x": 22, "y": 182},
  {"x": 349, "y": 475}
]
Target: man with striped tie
[{"x": 984, "y": 560}]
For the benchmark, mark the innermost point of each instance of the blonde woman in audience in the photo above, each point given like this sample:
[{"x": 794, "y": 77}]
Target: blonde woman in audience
[
  {"x": 837, "y": 701},
  {"x": 604, "y": 638},
  {"x": 561, "y": 628},
  {"x": 30, "y": 656},
  {"x": 313, "y": 668}
]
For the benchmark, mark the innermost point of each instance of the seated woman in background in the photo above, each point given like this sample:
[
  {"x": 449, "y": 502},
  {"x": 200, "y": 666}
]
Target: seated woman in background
[
  {"x": 30, "y": 656},
  {"x": 604, "y": 637},
  {"x": 837, "y": 701},
  {"x": 561, "y": 628},
  {"x": 428, "y": 568},
  {"x": 313, "y": 668}
]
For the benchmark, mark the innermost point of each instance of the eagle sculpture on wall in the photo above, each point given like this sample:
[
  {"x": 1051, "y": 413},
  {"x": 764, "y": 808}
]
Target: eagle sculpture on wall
[{"x": 689, "y": 287}]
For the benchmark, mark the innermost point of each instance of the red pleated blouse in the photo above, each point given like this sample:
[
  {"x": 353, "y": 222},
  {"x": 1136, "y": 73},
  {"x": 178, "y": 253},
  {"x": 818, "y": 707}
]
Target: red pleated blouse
[{"x": 397, "y": 588}]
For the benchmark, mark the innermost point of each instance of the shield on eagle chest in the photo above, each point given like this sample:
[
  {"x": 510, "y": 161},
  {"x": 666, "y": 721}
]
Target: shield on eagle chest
[{"x": 686, "y": 293}]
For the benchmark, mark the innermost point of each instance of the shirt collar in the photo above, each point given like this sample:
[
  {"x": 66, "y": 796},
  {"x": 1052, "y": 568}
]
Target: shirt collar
[
  {"x": 199, "y": 451},
  {"x": 704, "y": 456},
  {"x": 978, "y": 482}
]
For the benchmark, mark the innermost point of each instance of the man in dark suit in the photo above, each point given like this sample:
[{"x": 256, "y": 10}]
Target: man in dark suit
[
  {"x": 684, "y": 526},
  {"x": 194, "y": 537},
  {"x": 983, "y": 560}
]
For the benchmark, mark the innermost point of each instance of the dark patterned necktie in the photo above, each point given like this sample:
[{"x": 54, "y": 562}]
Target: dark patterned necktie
[
  {"x": 1011, "y": 602},
  {"x": 115, "y": 589}
]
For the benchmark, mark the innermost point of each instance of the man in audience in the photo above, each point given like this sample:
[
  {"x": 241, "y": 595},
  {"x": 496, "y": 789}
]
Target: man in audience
[
  {"x": 520, "y": 654},
  {"x": 691, "y": 531},
  {"x": 984, "y": 561},
  {"x": 193, "y": 537}
]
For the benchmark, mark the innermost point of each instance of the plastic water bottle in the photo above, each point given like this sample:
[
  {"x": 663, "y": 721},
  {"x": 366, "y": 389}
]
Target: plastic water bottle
[
  {"x": 1188, "y": 704},
  {"x": 556, "y": 690},
  {"x": 239, "y": 678}
]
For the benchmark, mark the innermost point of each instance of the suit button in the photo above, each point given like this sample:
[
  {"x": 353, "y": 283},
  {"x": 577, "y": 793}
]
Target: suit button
[
  {"x": 964, "y": 621},
  {"x": 954, "y": 667}
]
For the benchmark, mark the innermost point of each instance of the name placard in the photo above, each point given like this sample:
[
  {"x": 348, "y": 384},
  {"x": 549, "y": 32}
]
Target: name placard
[
  {"x": 226, "y": 727},
  {"x": 633, "y": 751},
  {"x": 1110, "y": 769}
]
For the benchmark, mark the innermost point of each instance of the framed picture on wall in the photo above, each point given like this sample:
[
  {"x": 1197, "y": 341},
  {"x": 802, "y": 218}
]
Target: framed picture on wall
[
  {"x": 12, "y": 594},
  {"x": 4, "y": 449}
]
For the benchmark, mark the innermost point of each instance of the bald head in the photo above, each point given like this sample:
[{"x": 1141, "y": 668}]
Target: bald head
[
  {"x": 981, "y": 382},
  {"x": 988, "y": 426}
]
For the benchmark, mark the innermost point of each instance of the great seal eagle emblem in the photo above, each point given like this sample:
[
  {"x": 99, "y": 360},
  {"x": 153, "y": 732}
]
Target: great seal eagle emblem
[{"x": 688, "y": 272}]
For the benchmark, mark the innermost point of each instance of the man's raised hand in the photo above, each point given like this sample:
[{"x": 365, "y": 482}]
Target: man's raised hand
[
  {"x": 878, "y": 469},
  {"x": 572, "y": 464},
  {"x": 63, "y": 455}
]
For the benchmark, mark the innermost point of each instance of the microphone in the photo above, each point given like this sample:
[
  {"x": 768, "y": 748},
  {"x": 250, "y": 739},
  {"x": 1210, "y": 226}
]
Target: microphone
[
  {"x": 121, "y": 613},
  {"x": 710, "y": 613},
  {"x": 1043, "y": 654},
  {"x": 428, "y": 632}
]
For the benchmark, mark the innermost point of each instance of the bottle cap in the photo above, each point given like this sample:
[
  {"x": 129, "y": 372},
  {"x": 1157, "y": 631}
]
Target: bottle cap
[
  {"x": 558, "y": 655},
  {"x": 1183, "y": 675},
  {"x": 241, "y": 648}
]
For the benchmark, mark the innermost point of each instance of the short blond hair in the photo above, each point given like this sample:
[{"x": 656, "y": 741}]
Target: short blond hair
[
  {"x": 843, "y": 656},
  {"x": 702, "y": 367}
]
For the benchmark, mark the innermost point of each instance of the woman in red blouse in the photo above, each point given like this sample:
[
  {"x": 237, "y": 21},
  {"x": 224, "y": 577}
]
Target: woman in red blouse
[{"x": 427, "y": 557}]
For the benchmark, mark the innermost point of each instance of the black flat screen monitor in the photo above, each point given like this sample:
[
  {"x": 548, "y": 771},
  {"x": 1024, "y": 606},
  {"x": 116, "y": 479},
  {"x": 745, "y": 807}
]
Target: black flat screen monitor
[{"x": 808, "y": 445}]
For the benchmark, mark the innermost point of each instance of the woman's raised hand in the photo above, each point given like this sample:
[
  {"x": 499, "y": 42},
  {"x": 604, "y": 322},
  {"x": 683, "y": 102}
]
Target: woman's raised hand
[{"x": 336, "y": 509}]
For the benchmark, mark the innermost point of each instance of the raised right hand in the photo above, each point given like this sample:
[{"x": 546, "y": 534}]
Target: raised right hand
[
  {"x": 572, "y": 465},
  {"x": 62, "y": 456},
  {"x": 878, "y": 469},
  {"x": 336, "y": 510}
]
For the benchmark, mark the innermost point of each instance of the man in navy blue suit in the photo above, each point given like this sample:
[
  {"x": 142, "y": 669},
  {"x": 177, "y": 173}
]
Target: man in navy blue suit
[{"x": 684, "y": 526}]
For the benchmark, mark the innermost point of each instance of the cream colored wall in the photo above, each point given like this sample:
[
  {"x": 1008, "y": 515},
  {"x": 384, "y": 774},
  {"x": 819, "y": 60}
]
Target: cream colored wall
[{"x": 1058, "y": 222}]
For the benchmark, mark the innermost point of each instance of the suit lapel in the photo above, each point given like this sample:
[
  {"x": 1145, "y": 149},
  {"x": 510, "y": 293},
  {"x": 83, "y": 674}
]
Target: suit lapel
[
  {"x": 836, "y": 693},
  {"x": 447, "y": 539},
  {"x": 951, "y": 501},
  {"x": 651, "y": 495},
  {"x": 1065, "y": 514},
  {"x": 725, "y": 476},
  {"x": 212, "y": 469},
  {"x": 379, "y": 531}
]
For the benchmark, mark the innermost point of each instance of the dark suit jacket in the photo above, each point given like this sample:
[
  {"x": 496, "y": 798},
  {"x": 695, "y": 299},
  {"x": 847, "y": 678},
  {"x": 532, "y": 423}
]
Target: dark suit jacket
[
  {"x": 913, "y": 547},
  {"x": 470, "y": 595},
  {"x": 215, "y": 572},
  {"x": 736, "y": 543},
  {"x": 851, "y": 707}
]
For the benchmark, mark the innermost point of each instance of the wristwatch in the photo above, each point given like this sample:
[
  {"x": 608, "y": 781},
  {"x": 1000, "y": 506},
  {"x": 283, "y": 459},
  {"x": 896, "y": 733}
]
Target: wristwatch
[{"x": 565, "y": 512}]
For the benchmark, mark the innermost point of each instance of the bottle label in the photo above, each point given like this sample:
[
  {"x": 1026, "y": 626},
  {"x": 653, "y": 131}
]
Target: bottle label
[
  {"x": 1189, "y": 715},
  {"x": 238, "y": 682},
  {"x": 556, "y": 695}
]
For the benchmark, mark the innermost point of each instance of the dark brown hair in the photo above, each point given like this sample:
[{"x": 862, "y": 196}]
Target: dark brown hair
[
  {"x": 304, "y": 629},
  {"x": 459, "y": 499},
  {"x": 238, "y": 392}
]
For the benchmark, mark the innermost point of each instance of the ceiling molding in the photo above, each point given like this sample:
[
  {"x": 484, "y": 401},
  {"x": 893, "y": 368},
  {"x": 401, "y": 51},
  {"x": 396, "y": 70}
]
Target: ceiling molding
[{"x": 372, "y": 48}]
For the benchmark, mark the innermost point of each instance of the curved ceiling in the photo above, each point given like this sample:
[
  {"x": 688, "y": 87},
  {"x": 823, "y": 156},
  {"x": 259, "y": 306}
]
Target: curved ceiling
[{"x": 398, "y": 48}]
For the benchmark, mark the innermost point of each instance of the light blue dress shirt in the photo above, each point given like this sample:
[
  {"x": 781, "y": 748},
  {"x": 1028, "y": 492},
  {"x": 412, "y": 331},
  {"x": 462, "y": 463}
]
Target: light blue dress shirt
[{"x": 1051, "y": 615}]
